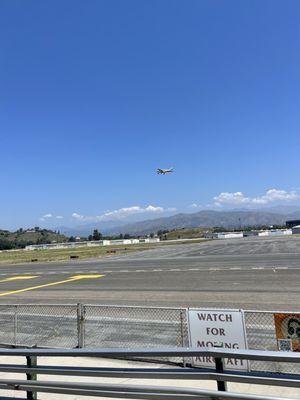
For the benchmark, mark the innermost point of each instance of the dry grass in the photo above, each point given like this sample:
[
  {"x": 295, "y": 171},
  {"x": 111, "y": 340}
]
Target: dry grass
[{"x": 26, "y": 256}]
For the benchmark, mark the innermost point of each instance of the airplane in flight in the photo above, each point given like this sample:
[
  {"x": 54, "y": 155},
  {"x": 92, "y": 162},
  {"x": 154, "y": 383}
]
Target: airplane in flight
[{"x": 162, "y": 171}]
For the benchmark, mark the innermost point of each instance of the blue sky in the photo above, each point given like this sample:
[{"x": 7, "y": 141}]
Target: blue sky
[{"x": 95, "y": 95}]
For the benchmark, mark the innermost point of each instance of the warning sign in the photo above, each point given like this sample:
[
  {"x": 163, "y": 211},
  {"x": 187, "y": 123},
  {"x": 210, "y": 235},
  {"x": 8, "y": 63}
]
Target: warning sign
[
  {"x": 287, "y": 328},
  {"x": 217, "y": 328}
]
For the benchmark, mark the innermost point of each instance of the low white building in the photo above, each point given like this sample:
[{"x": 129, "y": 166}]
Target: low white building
[
  {"x": 276, "y": 232},
  {"x": 71, "y": 245},
  {"x": 229, "y": 235},
  {"x": 296, "y": 230},
  {"x": 264, "y": 233}
]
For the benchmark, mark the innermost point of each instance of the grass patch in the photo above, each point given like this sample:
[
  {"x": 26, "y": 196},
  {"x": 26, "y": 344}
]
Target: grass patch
[
  {"x": 187, "y": 233},
  {"x": 28, "y": 256}
]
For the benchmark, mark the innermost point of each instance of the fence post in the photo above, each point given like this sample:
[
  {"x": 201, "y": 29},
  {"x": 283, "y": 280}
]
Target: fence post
[
  {"x": 182, "y": 335},
  {"x": 15, "y": 324},
  {"x": 80, "y": 324},
  {"x": 222, "y": 386},
  {"x": 31, "y": 362}
]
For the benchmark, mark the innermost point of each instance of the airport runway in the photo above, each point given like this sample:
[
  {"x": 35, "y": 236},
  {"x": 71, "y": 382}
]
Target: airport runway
[{"x": 252, "y": 273}]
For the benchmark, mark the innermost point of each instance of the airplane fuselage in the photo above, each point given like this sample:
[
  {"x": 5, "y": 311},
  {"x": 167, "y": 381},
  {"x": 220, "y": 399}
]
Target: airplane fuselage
[{"x": 164, "y": 171}]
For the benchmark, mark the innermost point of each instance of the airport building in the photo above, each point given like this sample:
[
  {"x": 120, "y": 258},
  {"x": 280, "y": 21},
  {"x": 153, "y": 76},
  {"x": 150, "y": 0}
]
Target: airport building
[
  {"x": 72, "y": 245},
  {"x": 276, "y": 232},
  {"x": 296, "y": 230},
  {"x": 271, "y": 232},
  {"x": 292, "y": 223},
  {"x": 229, "y": 235}
]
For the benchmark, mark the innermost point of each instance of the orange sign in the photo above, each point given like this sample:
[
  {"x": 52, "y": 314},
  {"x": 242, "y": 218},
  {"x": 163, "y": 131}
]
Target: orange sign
[{"x": 287, "y": 328}]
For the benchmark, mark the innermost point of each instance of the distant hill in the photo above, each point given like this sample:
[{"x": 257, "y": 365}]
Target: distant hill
[
  {"x": 22, "y": 238},
  {"x": 207, "y": 219}
]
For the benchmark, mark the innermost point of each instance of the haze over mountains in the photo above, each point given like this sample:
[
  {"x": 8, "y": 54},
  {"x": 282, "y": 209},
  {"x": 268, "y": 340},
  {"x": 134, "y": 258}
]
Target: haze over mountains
[{"x": 204, "y": 218}]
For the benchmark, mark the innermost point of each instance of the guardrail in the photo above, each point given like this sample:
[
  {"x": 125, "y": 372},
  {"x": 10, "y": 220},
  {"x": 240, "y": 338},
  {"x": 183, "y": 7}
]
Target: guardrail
[{"x": 32, "y": 386}]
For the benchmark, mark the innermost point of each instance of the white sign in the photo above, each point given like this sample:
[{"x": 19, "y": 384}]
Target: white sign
[{"x": 217, "y": 328}]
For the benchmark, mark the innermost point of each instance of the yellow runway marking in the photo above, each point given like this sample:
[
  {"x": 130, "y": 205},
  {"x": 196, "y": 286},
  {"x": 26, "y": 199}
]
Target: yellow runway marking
[
  {"x": 19, "y": 278},
  {"x": 72, "y": 279}
]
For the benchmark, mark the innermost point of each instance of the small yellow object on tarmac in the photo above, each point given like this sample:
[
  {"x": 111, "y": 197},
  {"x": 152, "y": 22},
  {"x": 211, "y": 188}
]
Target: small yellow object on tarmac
[
  {"x": 18, "y": 278},
  {"x": 86, "y": 276}
]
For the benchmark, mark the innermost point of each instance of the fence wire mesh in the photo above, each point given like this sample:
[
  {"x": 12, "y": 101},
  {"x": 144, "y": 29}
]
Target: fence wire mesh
[
  {"x": 131, "y": 327},
  {"x": 96, "y": 326},
  {"x": 39, "y": 325},
  {"x": 8, "y": 317},
  {"x": 263, "y": 331}
]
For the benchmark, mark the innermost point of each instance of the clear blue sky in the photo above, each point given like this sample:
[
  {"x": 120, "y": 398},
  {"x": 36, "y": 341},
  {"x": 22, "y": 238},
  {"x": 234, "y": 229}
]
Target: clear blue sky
[{"x": 95, "y": 95}]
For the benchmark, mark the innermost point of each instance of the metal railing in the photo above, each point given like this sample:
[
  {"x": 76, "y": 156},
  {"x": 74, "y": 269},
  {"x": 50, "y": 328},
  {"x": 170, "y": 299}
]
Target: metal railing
[{"x": 32, "y": 386}]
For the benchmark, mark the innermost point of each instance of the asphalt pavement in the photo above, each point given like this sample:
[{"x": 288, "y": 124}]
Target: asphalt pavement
[{"x": 252, "y": 273}]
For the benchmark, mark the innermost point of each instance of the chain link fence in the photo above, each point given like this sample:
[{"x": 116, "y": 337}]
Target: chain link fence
[
  {"x": 91, "y": 326},
  {"x": 131, "y": 327},
  {"x": 117, "y": 326},
  {"x": 262, "y": 332},
  {"x": 39, "y": 325}
]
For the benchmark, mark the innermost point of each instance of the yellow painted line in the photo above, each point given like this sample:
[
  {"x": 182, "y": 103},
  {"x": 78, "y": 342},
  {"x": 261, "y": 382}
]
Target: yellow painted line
[
  {"x": 75, "y": 277},
  {"x": 19, "y": 278},
  {"x": 72, "y": 279}
]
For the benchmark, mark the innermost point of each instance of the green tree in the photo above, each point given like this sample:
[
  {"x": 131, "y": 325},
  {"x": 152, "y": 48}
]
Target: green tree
[
  {"x": 6, "y": 244},
  {"x": 97, "y": 235}
]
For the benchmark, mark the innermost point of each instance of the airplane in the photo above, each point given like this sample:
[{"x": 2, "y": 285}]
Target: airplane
[{"x": 161, "y": 171}]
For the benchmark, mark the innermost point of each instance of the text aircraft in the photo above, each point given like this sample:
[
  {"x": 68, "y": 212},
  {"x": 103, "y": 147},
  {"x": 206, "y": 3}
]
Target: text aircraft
[{"x": 164, "y": 171}]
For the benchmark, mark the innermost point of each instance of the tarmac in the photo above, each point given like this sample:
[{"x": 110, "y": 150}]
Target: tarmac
[{"x": 249, "y": 273}]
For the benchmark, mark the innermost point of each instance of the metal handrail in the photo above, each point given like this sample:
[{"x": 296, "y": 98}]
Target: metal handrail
[
  {"x": 155, "y": 373},
  {"x": 129, "y": 391},
  {"x": 257, "y": 355},
  {"x": 32, "y": 386}
]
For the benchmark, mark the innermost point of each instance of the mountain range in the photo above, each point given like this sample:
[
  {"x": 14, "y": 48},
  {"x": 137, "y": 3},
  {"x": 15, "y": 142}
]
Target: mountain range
[{"x": 205, "y": 218}]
